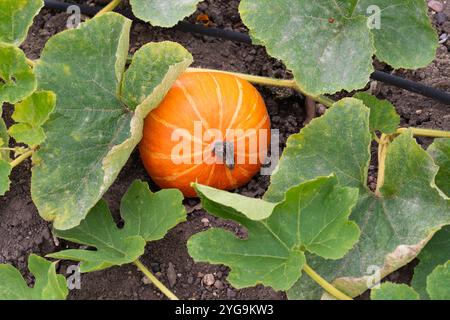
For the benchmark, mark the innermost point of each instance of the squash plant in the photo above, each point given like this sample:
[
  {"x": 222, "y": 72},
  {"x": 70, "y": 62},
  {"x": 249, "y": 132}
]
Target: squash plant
[{"x": 80, "y": 110}]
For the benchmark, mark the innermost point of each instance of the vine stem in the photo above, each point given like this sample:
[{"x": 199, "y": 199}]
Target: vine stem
[
  {"x": 21, "y": 158},
  {"x": 109, "y": 7},
  {"x": 270, "y": 82},
  {"x": 325, "y": 284},
  {"x": 426, "y": 132},
  {"x": 169, "y": 294},
  {"x": 382, "y": 152}
]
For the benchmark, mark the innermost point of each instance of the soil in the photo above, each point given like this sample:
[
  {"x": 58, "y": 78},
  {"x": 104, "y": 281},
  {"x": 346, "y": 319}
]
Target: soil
[{"x": 23, "y": 232}]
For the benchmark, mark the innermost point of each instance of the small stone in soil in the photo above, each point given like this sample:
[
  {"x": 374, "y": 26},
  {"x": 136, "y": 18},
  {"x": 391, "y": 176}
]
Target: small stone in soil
[
  {"x": 205, "y": 222},
  {"x": 231, "y": 293},
  {"x": 208, "y": 279},
  {"x": 171, "y": 275},
  {"x": 441, "y": 17},
  {"x": 436, "y": 5},
  {"x": 218, "y": 284}
]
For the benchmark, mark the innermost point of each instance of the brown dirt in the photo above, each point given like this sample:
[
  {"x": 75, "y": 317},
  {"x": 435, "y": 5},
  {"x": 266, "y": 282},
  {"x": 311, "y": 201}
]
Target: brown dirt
[{"x": 22, "y": 231}]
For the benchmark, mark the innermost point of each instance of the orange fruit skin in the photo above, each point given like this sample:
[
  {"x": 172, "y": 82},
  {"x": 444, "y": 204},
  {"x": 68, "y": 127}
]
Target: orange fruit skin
[{"x": 203, "y": 101}]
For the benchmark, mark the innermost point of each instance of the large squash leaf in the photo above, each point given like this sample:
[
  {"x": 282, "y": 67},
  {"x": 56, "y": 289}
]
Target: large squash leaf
[
  {"x": 312, "y": 217},
  {"x": 398, "y": 18},
  {"x": 16, "y": 16},
  {"x": 395, "y": 225},
  {"x": 163, "y": 13},
  {"x": 48, "y": 285},
  {"x": 325, "y": 47},
  {"x": 329, "y": 44},
  {"x": 148, "y": 216},
  {"x": 93, "y": 131}
]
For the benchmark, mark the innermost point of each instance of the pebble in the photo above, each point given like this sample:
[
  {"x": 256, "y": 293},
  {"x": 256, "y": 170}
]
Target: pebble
[
  {"x": 205, "y": 222},
  {"x": 218, "y": 284},
  {"x": 171, "y": 275},
  {"x": 208, "y": 279},
  {"x": 436, "y": 5},
  {"x": 419, "y": 112},
  {"x": 145, "y": 280},
  {"x": 441, "y": 17},
  {"x": 231, "y": 293},
  {"x": 321, "y": 109}
]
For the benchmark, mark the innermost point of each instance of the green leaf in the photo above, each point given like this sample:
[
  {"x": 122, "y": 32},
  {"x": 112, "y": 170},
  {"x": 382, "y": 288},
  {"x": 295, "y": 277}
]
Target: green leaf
[
  {"x": 151, "y": 215},
  {"x": 326, "y": 47},
  {"x": 312, "y": 217},
  {"x": 93, "y": 132},
  {"x": 17, "y": 80},
  {"x": 5, "y": 171},
  {"x": 436, "y": 252},
  {"x": 16, "y": 16},
  {"x": 383, "y": 116},
  {"x": 440, "y": 151},
  {"x": 399, "y": 19},
  {"x": 163, "y": 13},
  {"x": 27, "y": 134},
  {"x": 394, "y": 291},
  {"x": 48, "y": 285},
  {"x": 4, "y": 137},
  {"x": 148, "y": 216},
  {"x": 36, "y": 109},
  {"x": 395, "y": 225},
  {"x": 438, "y": 282},
  {"x": 113, "y": 246},
  {"x": 31, "y": 114}
]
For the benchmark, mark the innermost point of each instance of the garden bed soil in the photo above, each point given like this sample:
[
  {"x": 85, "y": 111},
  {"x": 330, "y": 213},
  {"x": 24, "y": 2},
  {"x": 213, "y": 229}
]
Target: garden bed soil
[{"x": 23, "y": 232}]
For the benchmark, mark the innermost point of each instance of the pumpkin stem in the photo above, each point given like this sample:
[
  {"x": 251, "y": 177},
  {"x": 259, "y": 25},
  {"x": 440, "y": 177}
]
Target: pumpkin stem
[{"x": 224, "y": 150}]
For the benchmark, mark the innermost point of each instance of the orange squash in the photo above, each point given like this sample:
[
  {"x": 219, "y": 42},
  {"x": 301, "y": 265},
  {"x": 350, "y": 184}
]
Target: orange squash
[{"x": 211, "y": 128}]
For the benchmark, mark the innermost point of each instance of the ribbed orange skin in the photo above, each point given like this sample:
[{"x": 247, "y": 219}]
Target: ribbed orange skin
[{"x": 216, "y": 101}]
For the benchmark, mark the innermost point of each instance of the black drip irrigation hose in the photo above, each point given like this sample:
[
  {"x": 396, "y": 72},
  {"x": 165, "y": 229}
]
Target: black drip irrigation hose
[{"x": 381, "y": 76}]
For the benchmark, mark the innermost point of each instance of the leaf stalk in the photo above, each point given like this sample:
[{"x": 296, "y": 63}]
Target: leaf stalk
[
  {"x": 109, "y": 7},
  {"x": 325, "y": 284},
  {"x": 21, "y": 158},
  {"x": 169, "y": 294}
]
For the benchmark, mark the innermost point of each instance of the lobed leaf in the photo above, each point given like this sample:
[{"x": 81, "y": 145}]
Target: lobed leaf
[
  {"x": 151, "y": 215},
  {"x": 48, "y": 284},
  {"x": 326, "y": 47},
  {"x": 163, "y": 13},
  {"x": 16, "y": 17},
  {"x": 398, "y": 20},
  {"x": 438, "y": 282},
  {"x": 383, "y": 116},
  {"x": 93, "y": 131},
  {"x": 435, "y": 253},
  {"x": 98, "y": 230},
  {"x": 31, "y": 114},
  {"x": 394, "y": 291},
  {"x": 440, "y": 151},
  {"x": 395, "y": 225},
  {"x": 312, "y": 217},
  {"x": 17, "y": 80},
  {"x": 148, "y": 216}
]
